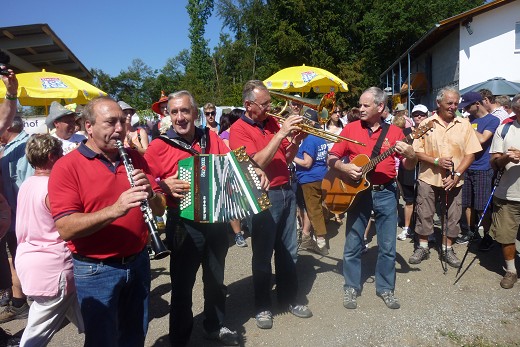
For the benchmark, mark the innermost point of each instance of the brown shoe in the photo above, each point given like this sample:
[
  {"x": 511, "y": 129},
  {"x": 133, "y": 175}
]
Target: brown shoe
[
  {"x": 10, "y": 312},
  {"x": 509, "y": 280}
]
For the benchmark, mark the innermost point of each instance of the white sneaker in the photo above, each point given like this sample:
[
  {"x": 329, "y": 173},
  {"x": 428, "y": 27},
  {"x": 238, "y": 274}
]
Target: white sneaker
[{"x": 403, "y": 235}]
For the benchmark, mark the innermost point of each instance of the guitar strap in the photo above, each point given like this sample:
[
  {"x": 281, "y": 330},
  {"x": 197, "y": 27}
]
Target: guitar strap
[{"x": 379, "y": 143}]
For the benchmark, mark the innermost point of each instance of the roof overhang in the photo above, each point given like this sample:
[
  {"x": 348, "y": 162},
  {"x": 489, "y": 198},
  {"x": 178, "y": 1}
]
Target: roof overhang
[
  {"x": 443, "y": 28},
  {"x": 35, "y": 47}
]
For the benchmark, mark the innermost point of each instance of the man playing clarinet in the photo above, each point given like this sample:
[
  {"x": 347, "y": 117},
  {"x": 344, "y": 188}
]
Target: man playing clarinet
[{"x": 97, "y": 212}]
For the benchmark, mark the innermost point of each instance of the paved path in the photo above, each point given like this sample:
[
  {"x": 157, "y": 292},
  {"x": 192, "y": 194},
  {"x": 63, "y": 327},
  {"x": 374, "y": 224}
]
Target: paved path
[{"x": 434, "y": 311}]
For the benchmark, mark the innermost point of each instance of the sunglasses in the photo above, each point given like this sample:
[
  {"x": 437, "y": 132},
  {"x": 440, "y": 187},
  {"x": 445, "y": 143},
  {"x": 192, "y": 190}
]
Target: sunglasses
[{"x": 212, "y": 113}]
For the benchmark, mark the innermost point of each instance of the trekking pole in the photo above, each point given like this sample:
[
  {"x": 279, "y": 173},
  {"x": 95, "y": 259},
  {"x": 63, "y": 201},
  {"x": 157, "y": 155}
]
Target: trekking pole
[
  {"x": 444, "y": 264},
  {"x": 495, "y": 184}
]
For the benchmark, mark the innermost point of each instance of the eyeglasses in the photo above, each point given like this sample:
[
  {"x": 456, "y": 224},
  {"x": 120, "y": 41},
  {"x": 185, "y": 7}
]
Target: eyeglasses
[
  {"x": 263, "y": 106},
  {"x": 212, "y": 113},
  {"x": 418, "y": 115},
  {"x": 336, "y": 111}
]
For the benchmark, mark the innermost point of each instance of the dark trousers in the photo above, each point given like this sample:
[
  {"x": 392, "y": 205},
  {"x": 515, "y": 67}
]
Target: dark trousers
[
  {"x": 194, "y": 244},
  {"x": 9, "y": 240}
]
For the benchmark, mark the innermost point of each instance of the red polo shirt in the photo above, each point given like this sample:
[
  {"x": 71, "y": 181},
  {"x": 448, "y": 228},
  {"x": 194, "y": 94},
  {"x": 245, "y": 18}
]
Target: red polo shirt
[
  {"x": 163, "y": 158},
  {"x": 244, "y": 132},
  {"x": 385, "y": 170},
  {"x": 84, "y": 182}
]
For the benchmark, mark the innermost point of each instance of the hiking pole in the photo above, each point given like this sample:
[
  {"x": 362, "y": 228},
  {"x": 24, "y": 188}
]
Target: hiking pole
[
  {"x": 495, "y": 184},
  {"x": 449, "y": 173}
]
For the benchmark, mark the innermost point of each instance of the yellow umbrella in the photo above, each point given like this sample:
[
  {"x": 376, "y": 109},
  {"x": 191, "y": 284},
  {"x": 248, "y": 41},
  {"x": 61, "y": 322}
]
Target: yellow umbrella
[
  {"x": 303, "y": 78},
  {"x": 42, "y": 88}
]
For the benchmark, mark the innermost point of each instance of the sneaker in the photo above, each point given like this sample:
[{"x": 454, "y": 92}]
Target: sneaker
[
  {"x": 264, "y": 320},
  {"x": 224, "y": 336},
  {"x": 307, "y": 242},
  {"x": 349, "y": 298},
  {"x": 449, "y": 257},
  {"x": 486, "y": 243},
  {"x": 467, "y": 237},
  {"x": 403, "y": 235},
  {"x": 301, "y": 311},
  {"x": 240, "y": 241},
  {"x": 322, "y": 246},
  {"x": 5, "y": 296},
  {"x": 509, "y": 280},
  {"x": 389, "y": 299},
  {"x": 10, "y": 312},
  {"x": 419, "y": 255}
]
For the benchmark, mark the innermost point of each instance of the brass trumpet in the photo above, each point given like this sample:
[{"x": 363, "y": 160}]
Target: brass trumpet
[{"x": 324, "y": 108}]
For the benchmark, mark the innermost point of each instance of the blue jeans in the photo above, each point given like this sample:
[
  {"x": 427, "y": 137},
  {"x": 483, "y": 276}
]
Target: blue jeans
[
  {"x": 114, "y": 301},
  {"x": 384, "y": 205},
  {"x": 275, "y": 230}
]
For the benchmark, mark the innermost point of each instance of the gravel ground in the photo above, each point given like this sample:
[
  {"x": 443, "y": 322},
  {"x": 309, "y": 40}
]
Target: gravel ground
[{"x": 435, "y": 311}]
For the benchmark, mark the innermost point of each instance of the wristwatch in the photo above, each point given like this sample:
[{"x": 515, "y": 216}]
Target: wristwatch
[{"x": 458, "y": 173}]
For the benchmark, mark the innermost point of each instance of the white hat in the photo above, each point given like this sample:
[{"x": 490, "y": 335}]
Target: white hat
[
  {"x": 420, "y": 108},
  {"x": 125, "y": 106},
  {"x": 134, "y": 121},
  {"x": 399, "y": 107}
]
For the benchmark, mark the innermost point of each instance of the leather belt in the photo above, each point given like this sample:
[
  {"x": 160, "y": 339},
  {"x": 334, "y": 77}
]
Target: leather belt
[
  {"x": 286, "y": 186},
  {"x": 380, "y": 187},
  {"x": 111, "y": 260}
]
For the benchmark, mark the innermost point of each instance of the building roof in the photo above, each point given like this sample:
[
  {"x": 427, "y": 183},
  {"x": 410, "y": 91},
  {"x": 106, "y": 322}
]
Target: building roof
[
  {"x": 35, "y": 47},
  {"x": 445, "y": 26}
]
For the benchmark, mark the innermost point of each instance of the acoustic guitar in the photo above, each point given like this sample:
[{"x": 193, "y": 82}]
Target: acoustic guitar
[{"x": 339, "y": 195}]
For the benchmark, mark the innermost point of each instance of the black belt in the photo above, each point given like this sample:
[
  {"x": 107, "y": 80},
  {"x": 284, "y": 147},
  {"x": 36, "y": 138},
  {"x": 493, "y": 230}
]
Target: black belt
[
  {"x": 380, "y": 187},
  {"x": 286, "y": 186},
  {"x": 111, "y": 260}
]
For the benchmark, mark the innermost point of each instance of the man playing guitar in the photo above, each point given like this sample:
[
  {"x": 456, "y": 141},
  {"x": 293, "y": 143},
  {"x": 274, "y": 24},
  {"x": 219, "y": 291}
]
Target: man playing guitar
[{"x": 382, "y": 198}]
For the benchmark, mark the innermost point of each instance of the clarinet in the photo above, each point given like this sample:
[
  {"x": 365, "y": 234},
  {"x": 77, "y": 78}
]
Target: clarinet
[{"x": 157, "y": 245}]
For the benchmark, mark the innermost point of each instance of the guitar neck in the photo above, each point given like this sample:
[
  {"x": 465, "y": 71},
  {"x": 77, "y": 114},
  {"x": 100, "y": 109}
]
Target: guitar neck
[{"x": 376, "y": 160}]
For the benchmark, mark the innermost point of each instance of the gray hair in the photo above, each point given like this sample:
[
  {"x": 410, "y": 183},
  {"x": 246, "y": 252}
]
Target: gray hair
[
  {"x": 379, "y": 95},
  {"x": 503, "y": 100},
  {"x": 88, "y": 111},
  {"x": 17, "y": 124},
  {"x": 180, "y": 94},
  {"x": 445, "y": 90},
  {"x": 249, "y": 88}
]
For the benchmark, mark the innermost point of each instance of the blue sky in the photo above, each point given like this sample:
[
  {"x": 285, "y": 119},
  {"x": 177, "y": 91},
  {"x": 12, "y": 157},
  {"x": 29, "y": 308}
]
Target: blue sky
[{"x": 109, "y": 34}]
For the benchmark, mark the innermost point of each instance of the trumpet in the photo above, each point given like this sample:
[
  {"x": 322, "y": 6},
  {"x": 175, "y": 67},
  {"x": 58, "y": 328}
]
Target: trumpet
[{"x": 324, "y": 107}]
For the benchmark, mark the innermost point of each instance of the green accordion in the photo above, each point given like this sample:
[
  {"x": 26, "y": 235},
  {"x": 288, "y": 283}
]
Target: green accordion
[{"x": 222, "y": 187}]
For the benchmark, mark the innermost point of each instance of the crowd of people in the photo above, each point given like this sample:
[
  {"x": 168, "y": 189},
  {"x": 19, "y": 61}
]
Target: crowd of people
[{"x": 74, "y": 238}]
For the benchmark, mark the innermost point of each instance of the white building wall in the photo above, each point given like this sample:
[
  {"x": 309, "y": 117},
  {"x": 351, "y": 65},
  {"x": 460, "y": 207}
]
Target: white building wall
[{"x": 490, "y": 51}]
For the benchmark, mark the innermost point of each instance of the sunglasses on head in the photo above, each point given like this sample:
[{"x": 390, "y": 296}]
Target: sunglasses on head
[{"x": 212, "y": 113}]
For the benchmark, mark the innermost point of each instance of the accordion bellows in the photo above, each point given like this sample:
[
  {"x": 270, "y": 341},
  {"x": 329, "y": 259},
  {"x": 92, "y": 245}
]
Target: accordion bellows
[{"x": 222, "y": 187}]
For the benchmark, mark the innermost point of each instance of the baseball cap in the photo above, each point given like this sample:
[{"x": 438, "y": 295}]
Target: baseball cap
[{"x": 468, "y": 99}]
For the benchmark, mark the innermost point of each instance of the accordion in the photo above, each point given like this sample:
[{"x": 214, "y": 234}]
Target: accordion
[{"x": 222, "y": 187}]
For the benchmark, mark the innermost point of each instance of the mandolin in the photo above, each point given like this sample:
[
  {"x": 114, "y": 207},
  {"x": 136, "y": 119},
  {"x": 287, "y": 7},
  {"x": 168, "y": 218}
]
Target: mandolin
[{"x": 339, "y": 195}]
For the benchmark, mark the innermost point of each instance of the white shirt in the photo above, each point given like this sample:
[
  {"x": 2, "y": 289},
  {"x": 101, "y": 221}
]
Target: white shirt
[{"x": 70, "y": 144}]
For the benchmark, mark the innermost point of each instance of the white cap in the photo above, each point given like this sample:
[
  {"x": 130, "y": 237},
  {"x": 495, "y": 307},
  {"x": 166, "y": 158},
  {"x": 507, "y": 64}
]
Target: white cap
[{"x": 420, "y": 108}]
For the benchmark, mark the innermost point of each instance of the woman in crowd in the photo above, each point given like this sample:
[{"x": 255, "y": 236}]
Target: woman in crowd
[
  {"x": 43, "y": 260},
  {"x": 225, "y": 123}
]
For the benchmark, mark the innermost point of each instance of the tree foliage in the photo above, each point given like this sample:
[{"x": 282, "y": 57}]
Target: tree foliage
[{"x": 355, "y": 39}]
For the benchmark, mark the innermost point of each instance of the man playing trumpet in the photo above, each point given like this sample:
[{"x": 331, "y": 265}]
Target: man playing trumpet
[{"x": 274, "y": 229}]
